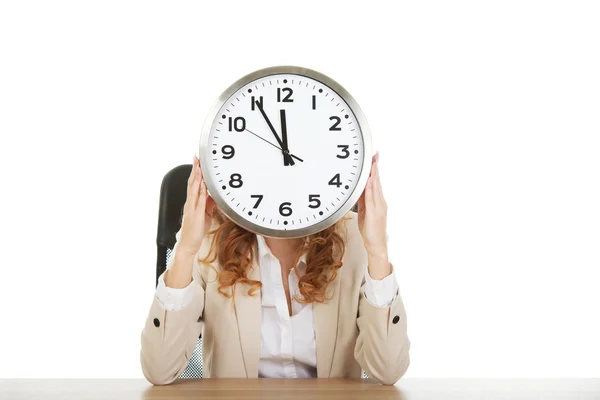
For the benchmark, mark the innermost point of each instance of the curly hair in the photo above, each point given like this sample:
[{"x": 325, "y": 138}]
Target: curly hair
[{"x": 235, "y": 248}]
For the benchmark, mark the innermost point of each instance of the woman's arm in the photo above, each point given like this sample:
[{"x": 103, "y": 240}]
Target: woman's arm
[
  {"x": 169, "y": 337},
  {"x": 173, "y": 325},
  {"x": 382, "y": 346}
]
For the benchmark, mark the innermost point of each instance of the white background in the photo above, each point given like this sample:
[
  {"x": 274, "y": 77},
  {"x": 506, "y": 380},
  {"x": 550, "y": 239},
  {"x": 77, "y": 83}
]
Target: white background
[{"x": 487, "y": 115}]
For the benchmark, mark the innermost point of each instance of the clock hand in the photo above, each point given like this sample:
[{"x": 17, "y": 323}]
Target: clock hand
[
  {"x": 284, "y": 145},
  {"x": 286, "y": 156},
  {"x": 277, "y": 147}
]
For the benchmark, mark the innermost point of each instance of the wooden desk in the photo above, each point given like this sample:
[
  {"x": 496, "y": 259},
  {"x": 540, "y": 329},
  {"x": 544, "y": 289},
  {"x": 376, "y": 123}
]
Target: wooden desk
[{"x": 303, "y": 389}]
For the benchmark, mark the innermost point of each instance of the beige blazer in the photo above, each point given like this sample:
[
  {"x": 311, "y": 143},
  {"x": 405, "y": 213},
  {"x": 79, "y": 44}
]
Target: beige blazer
[{"x": 350, "y": 333}]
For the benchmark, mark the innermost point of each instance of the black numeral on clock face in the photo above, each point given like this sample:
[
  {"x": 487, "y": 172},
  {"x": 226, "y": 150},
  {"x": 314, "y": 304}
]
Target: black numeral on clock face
[
  {"x": 314, "y": 102},
  {"x": 287, "y": 98},
  {"x": 228, "y": 152},
  {"x": 257, "y": 196},
  {"x": 345, "y": 152},
  {"x": 235, "y": 181},
  {"x": 253, "y": 102},
  {"x": 336, "y": 181},
  {"x": 285, "y": 209},
  {"x": 335, "y": 126},
  {"x": 313, "y": 200},
  {"x": 237, "y": 123}
]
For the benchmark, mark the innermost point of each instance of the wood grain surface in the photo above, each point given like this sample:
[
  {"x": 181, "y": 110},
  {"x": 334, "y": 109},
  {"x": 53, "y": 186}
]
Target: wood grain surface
[{"x": 304, "y": 389}]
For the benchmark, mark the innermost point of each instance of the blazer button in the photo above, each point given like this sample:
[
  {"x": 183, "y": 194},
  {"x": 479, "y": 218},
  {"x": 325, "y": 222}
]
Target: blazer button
[
  {"x": 157, "y": 322},
  {"x": 395, "y": 320}
]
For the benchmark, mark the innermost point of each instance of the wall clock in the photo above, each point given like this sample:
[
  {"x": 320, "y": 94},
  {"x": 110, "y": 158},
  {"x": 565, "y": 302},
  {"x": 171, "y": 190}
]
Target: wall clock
[{"x": 285, "y": 152}]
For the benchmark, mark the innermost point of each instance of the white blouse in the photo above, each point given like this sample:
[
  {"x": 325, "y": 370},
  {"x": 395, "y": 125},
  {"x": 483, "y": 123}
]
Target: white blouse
[{"x": 288, "y": 348}]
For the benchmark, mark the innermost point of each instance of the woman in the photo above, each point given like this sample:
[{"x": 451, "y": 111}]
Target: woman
[{"x": 337, "y": 311}]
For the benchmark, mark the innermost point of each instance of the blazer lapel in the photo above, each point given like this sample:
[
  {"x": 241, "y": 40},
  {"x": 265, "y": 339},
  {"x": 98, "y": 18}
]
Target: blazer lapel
[
  {"x": 248, "y": 315},
  {"x": 326, "y": 326}
]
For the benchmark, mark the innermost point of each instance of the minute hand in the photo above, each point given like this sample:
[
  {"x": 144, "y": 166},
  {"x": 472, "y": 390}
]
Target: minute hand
[
  {"x": 286, "y": 156},
  {"x": 284, "y": 139}
]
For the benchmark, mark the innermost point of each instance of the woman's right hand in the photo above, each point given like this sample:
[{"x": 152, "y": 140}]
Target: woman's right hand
[{"x": 197, "y": 213}]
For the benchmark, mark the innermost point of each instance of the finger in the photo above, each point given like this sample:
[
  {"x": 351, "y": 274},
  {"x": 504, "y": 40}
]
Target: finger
[
  {"x": 361, "y": 202},
  {"x": 201, "y": 206},
  {"x": 190, "y": 199},
  {"x": 194, "y": 192},
  {"x": 369, "y": 195},
  {"x": 373, "y": 161},
  {"x": 378, "y": 189},
  {"x": 199, "y": 170},
  {"x": 192, "y": 173}
]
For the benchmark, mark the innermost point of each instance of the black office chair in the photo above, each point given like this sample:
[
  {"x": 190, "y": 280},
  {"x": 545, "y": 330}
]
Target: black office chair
[{"x": 173, "y": 193}]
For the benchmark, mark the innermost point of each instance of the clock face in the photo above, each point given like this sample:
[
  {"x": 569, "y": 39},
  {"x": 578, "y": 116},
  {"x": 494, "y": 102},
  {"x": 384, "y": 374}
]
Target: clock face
[{"x": 284, "y": 153}]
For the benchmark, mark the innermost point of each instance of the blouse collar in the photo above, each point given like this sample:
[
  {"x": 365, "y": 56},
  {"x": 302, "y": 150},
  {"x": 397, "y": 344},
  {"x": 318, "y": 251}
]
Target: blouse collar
[{"x": 264, "y": 250}]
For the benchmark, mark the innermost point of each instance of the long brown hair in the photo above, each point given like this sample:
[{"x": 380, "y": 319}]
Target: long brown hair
[{"x": 233, "y": 247}]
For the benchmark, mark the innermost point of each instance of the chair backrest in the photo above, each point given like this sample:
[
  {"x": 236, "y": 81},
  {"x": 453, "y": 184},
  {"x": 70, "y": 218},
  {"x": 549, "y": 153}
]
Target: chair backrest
[{"x": 173, "y": 193}]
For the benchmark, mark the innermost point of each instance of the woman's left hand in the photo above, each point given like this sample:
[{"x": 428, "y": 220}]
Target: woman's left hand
[{"x": 372, "y": 217}]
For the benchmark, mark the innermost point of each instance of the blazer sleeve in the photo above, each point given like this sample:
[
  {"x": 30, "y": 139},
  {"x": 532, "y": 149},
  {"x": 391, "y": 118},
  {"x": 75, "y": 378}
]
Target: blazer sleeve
[
  {"x": 169, "y": 338},
  {"x": 382, "y": 346}
]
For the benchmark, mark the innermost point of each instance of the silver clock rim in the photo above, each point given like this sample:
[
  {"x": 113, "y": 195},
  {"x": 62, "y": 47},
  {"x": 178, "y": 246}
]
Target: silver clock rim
[{"x": 343, "y": 209}]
